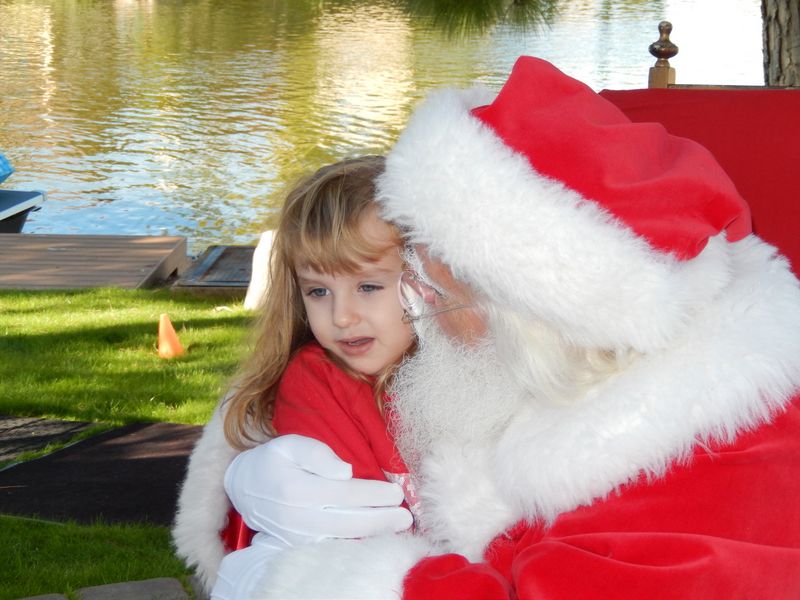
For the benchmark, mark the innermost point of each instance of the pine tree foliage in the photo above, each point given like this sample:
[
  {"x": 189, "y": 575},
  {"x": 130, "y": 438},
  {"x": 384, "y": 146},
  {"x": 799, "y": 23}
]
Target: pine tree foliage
[{"x": 458, "y": 17}]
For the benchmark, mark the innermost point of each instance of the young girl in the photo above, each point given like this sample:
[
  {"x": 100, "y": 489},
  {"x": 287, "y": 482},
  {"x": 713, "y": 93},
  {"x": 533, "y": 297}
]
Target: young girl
[{"x": 332, "y": 329}]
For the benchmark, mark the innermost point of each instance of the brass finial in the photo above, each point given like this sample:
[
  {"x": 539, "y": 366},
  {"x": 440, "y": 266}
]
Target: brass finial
[
  {"x": 663, "y": 49},
  {"x": 662, "y": 74}
]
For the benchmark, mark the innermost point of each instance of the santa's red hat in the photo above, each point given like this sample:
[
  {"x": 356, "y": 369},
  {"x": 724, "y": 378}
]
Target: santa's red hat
[{"x": 548, "y": 201}]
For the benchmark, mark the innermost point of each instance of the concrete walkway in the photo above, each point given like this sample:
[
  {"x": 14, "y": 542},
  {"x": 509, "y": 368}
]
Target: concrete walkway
[{"x": 25, "y": 434}]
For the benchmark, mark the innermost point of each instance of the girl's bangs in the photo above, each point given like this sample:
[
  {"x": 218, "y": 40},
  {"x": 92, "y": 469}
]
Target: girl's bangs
[{"x": 327, "y": 252}]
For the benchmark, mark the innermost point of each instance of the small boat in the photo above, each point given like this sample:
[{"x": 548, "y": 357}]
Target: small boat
[{"x": 15, "y": 205}]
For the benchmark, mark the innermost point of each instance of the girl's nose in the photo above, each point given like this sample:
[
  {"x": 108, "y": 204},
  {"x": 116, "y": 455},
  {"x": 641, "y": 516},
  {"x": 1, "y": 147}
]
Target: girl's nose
[{"x": 345, "y": 313}]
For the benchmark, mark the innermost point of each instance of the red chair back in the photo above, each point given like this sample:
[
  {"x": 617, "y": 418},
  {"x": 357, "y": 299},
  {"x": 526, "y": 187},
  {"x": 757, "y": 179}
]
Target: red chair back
[{"x": 755, "y": 136}]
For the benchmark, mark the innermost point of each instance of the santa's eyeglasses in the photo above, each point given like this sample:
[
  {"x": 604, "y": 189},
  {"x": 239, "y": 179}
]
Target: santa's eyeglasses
[{"x": 420, "y": 299}]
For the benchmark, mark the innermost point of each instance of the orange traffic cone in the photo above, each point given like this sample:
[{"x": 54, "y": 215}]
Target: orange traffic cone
[{"x": 168, "y": 344}]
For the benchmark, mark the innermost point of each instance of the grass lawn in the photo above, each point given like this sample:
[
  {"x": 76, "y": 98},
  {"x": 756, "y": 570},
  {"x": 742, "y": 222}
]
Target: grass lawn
[{"x": 91, "y": 356}]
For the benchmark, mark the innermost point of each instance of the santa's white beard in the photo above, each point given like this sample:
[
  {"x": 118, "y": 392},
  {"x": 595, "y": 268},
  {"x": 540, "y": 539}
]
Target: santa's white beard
[{"x": 449, "y": 393}]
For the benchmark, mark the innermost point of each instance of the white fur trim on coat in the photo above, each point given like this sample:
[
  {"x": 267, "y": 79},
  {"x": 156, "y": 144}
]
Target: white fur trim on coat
[
  {"x": 531, "y": 244},
  {"x": 366, "y": 569},
  {"x": 203, "y": 504}
]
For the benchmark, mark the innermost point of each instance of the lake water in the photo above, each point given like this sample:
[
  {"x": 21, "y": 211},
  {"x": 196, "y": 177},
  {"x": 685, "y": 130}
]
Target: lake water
[{"x": 190, "y": 117}]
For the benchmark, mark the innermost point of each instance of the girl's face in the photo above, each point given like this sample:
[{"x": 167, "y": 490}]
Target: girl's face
[{"x": 358, "y": 317}]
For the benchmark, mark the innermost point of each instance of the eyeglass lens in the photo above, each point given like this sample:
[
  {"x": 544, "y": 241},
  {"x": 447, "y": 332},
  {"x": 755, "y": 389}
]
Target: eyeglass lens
[{"x": 412, "y": 295}]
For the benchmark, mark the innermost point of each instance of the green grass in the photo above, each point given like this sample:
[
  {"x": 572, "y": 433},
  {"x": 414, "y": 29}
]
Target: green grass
[
  {"x": 42, "y": 557},
  {"x": 91, "y": 355}
]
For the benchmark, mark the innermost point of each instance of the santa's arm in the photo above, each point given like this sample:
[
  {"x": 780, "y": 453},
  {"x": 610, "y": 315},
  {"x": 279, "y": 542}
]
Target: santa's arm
[
  {"x": 386, "y": 567},
  {"x": 629, "y": 565}
]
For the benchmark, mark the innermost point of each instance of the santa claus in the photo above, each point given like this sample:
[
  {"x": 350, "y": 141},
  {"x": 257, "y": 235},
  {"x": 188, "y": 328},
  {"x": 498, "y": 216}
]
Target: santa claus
[{"x": 603, "y": 403}]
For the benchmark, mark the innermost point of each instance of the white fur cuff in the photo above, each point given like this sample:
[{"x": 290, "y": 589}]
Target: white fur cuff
[{"x": 366, "y": 569}]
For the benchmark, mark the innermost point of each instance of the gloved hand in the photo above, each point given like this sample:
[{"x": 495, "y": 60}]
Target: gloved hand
[
  {"x": 296, "y": 489},
  {"x": 240, "y": 571}
]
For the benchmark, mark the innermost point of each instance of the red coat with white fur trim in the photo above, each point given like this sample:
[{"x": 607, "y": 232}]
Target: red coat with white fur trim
[{"x": 725, "y": 526}]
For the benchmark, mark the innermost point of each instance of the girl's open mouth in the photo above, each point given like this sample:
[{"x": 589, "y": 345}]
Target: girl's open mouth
[{"x": 356, "y": 346}]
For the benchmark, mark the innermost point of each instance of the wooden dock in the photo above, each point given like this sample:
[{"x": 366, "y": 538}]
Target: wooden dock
[
  {"x": 220, "y": 270},
  {"x": 39, "y": 262}
]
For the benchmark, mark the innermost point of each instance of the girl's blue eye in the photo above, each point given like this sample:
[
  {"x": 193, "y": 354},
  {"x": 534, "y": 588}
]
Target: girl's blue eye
[
  {"x": 317, "y": 292},
  {"x": 370, "y": 287}
]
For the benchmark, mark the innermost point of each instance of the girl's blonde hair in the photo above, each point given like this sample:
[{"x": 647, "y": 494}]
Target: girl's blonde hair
[{"x": 319, "y": 228}]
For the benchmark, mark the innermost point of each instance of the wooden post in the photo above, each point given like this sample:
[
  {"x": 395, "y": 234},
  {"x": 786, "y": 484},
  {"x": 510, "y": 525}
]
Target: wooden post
[{"x": 662, "y": 75}]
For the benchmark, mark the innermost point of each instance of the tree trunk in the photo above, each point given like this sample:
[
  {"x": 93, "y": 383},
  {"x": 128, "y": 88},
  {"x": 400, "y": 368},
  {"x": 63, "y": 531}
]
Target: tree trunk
[{"x": 781, "y": 31}]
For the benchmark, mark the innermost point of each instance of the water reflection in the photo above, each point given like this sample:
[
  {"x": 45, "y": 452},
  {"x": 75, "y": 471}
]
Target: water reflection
[{"x": 143, "y": 115}]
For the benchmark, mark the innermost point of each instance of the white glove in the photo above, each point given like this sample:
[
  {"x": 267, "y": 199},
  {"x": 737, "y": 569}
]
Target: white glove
[
  {"x": 296, "y": 489},
  {"x": 240, "y": 571}
]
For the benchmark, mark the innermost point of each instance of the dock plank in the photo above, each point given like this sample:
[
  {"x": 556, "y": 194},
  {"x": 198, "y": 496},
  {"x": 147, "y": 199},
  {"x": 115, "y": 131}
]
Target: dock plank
[{"x": 36, "y": 261}]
